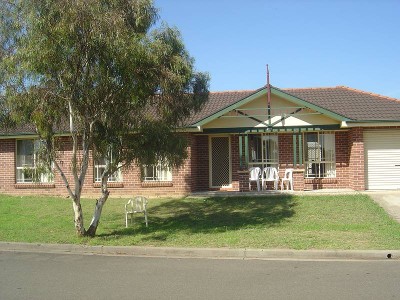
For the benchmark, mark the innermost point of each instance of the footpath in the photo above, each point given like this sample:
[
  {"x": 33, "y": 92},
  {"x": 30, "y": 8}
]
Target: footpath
[{"x": 210, "y": 253}]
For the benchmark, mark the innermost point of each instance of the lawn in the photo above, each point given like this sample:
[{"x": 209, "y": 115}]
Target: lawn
[{"x": 290, "y": 222}]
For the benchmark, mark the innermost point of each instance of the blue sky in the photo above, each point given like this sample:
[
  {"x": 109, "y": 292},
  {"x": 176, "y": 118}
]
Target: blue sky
[{"x": 307, "y": 43}]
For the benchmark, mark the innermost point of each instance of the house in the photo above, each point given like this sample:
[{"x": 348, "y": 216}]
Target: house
[{"x": 335, "y": 137}]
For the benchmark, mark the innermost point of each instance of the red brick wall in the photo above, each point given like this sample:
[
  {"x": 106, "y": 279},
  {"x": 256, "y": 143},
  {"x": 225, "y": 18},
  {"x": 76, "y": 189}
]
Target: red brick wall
[
  {"x": 285, "y": 144},
  {"x": 285, "y": 141},
  {"x": 194, "y": 174},
  {"x": 7, "y": 164},
  {"x": 342, "y": 167},
  {"x": 182, "y": 179},
  {"x": 202, "y": 163},
  {"x": 356, "y": 159}
]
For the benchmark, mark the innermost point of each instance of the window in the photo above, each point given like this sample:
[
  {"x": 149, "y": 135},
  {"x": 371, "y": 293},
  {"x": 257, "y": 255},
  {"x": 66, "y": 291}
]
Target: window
[
  {"x": 99, "y": 167},
  {"x": 157, "y": 172},
  {"x": 264, "y": 150},
  {"x": 26, "y": 162},
  {"x": 319, "y": 155}
]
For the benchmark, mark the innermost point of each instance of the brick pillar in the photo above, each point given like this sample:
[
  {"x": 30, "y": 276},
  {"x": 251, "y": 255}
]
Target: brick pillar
[
  {"x": 298, "y": 180},
  {"x": 243, "y": 180},
  {"x": 356, "y": 159}
]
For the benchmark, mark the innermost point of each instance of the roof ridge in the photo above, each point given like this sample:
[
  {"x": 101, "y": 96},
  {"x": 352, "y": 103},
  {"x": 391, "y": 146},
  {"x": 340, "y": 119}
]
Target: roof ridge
[
  {"x": 231, "y": 91},
  {"x": 368, "y": 93},
  {"x": 309, "y": 88}
]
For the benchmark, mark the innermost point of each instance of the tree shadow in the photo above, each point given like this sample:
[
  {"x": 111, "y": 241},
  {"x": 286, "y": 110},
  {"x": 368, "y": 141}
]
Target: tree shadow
[{"x": 217, "y": 214}]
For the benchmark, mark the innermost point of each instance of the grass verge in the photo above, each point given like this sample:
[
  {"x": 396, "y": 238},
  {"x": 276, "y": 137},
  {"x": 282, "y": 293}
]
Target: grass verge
[{"x": 286, "y": 221}]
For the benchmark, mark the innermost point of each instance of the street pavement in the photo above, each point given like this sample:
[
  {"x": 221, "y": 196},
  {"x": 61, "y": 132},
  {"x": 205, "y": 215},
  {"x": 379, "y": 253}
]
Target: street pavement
[{"x": 44, "y": 276}]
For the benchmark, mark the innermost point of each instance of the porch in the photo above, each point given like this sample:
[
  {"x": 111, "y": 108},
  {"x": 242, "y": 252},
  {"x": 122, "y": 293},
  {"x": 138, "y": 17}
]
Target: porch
[
  {"x": 263, "y": 193},
  {"x": 318, "y": 157},
  {"x": 282, "y": 132}
]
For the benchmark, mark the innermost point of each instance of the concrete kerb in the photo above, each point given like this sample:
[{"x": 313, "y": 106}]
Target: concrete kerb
[{"x": 210, "y": 253}]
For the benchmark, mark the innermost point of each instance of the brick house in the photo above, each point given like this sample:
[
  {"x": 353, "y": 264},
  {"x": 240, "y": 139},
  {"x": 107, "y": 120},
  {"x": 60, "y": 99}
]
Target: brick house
[{"x": 332, "y": 137}]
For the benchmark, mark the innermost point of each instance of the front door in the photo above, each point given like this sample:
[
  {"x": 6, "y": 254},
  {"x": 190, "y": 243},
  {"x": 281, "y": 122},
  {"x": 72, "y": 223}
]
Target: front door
[{"x": 220, "y": 158}]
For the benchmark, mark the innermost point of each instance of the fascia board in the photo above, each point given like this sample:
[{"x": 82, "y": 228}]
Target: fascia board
[
  {"x": 23, "y": 135},
  {"x": 19, "y": 135},
  {"x": 374, "y": 123}
]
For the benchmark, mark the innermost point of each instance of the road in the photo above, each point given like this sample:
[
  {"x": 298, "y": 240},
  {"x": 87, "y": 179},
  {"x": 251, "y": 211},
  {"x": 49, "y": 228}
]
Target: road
[{"x": 70, "y": 276}]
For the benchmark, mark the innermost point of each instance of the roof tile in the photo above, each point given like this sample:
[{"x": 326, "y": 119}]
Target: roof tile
[{"x": 354, "y": 104}]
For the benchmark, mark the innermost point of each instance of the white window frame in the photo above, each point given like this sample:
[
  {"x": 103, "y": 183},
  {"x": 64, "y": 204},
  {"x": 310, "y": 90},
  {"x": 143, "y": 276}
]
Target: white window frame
[
  {"x": 99, "y": 169},
  {"x": 320, "y": 163},
  {"x": 156, "y": 172},
  {"x": 258, "y": 157},
  {"x": 20, "y": 176}
]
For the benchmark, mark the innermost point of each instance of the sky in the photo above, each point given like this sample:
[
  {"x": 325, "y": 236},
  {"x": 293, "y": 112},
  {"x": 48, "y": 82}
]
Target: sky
[{"x": 306, "y": 43}]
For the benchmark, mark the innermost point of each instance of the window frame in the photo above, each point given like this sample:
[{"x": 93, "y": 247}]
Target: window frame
[
  {"x": 322, "y": 164},
  {"x": 115, "y": 177},
  {"x": 259, "y": 147},
  {"x": 164, "y": 170},
  {"x": 20, "y": 176}
]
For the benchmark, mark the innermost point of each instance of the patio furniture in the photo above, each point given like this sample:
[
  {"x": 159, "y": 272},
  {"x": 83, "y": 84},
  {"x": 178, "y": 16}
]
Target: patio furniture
[
  {"x": 134, "y": 206},
  {"x": 254, "y": 176},
  {"x": 269, "y": 174},
  {"x": 288, "y": 178}
]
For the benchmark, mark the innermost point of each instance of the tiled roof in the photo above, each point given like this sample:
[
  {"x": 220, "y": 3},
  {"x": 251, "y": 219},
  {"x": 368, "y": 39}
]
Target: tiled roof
[
  {"x": 21, "y": 129},
  {"x": 350, "y": 103},
  {"x": 218, "y": 101}
]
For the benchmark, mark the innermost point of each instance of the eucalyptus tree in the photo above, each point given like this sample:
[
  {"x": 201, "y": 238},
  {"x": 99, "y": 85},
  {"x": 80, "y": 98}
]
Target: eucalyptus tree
[{"x": 105, "y": 72}]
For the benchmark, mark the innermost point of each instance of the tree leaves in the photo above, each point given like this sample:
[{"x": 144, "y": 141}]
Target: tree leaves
[{"x": 96, "y": 65}]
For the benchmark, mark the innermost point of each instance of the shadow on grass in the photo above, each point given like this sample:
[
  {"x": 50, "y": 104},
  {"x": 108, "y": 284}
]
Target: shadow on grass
[{"x": 191, "y": 215}]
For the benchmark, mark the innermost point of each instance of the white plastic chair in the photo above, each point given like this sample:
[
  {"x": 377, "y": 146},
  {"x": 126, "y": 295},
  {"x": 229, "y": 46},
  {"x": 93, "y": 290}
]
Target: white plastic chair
[
  {"x": 270, "y": 174},
  {"x": 134, "y": 206},
  {"x": 254, "y": 176},
  {"x": 288, "y": 178}
]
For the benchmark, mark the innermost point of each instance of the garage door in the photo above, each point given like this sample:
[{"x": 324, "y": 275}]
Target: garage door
[{"x": 382, "y": 159}]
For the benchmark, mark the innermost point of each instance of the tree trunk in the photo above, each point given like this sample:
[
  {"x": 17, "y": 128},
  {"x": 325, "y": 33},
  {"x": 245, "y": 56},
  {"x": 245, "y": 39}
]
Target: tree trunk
[
  {"x": 78, "y": 217},
  {"x": 97, "y": 214}
]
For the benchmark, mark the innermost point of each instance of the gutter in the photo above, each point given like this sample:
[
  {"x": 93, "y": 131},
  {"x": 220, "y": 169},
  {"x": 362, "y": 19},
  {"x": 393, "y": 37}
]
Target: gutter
[
  {"x": 369, "y": 123},
  {"x": 198, "y": 128}
]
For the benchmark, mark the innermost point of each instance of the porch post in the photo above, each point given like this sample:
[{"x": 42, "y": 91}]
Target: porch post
[
  {"x": 240, "y": 152},
  {"x": 298, "y": 167},
  {"x": 243, "y": 173}
]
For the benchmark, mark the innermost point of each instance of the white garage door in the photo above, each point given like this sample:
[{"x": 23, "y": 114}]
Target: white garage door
[{"x": 382, "y": 159}]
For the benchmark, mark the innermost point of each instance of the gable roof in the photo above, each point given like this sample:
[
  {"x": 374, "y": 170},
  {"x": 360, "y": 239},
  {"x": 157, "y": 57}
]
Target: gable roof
[
  {"x": 218, "y": 101},
  {"x": 341, "y": 103},
  {"x": 354, "y": 104}
]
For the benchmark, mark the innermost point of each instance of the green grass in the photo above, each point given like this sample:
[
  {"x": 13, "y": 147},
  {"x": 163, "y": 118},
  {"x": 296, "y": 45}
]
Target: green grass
[{"x": 294, "y": 222}]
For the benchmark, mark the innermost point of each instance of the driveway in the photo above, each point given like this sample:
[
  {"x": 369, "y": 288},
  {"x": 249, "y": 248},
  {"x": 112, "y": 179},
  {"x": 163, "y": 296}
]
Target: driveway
[{"x": 389, "y": 200}]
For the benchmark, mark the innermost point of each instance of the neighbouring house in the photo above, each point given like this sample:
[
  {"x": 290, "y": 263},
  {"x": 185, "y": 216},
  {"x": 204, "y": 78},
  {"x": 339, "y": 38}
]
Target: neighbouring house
[{"x": 334, "y": 137}]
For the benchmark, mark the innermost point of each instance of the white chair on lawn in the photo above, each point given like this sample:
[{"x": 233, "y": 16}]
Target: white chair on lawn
[
  {"x": 134, "y": 206},
  {"x": 269, "y": 174},
  {"x": 254, "y": 176},
  {"x": 288, "y": 178}
]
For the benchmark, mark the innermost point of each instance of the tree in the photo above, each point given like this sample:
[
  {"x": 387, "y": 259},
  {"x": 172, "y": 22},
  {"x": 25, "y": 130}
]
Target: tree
[{"x": 97, "y": 70}]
